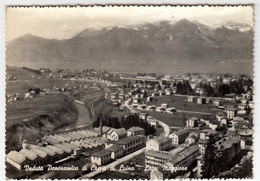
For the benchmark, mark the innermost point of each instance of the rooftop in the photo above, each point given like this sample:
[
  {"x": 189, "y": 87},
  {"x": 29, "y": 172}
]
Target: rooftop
[
  {"x": 135, "y": 128},
  {"x": 181, "y": 132},
  {"x": 40, "y": 153},
  {"x": 47, "y": 150},
  {"x": 56, "y": 149},
  {"x": 203, "y": 141},
  {"x": 101, "y": 153},
  {"x": 226, "y": 143},
  {"x": 162, "y": 139},
  {"x": 159, "y": 154},
  {"x": 28, "y": 154},
  {"x": 64, "y": 148},
  {"x": 120, "y": 131},
  {"x": 126, "y": 140},
  {"x": 114, "y": 148},
  {"x": 16, "y": 157},
  {"x": 184, "y": 154}
]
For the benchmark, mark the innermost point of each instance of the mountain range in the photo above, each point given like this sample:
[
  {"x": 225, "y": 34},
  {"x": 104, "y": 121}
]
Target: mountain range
[{"x": 161, "y": 42}]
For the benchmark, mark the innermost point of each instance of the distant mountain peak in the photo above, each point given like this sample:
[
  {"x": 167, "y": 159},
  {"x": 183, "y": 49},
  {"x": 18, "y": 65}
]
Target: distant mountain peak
[{"x": 163, "y": 40}]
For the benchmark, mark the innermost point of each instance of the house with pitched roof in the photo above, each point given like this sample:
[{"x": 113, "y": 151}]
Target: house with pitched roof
[
  {"x": 45, "y": 157},
  {"x": 62, "y": 154},
  {"x": 178, "y": 137},
  {"x": 129, "y": 144},
  {"x": 101, "y": 157},
  {"x": 160, "y": 143},
  {"x": 192, "y": 122},
  {"x": 116, "y": 151},
  {"x": 32, "y": 156},
  {"x": 135, "y": 130},
  {"x": 18, "y": 160},
  {"x": 53, "y": 156},
  {"x": 114, "y": 134}
]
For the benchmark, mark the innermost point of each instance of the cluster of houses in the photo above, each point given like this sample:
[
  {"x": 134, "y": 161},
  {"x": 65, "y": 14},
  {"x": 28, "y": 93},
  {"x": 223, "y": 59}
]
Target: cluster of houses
[
  {"x": 120, "y": 142},
  {"x": 103, "y": 145},
  {"x": 27, "y": 95},
  {"x": 185, "y": 148},
  {"x": 53, "y": 149}
]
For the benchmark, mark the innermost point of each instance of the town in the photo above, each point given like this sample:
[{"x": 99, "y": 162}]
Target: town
[{"x": 143, "y": 125}]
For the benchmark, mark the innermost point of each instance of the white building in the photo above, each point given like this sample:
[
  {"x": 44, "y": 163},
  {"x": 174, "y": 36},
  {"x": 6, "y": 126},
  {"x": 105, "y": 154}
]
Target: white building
[
  {"x": 160, "y": 143},
  {"x": 179, "y": 136},
  {"x": 101, "y": 157}
]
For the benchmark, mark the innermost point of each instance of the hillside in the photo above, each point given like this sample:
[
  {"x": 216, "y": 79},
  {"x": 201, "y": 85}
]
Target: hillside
[
  {"x": 162, "y": 42},
  {"x": 30, "y": 119}
]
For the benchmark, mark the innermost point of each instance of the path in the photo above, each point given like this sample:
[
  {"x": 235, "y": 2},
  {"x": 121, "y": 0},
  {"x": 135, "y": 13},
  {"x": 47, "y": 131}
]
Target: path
[{"x": 113, "y": 164}]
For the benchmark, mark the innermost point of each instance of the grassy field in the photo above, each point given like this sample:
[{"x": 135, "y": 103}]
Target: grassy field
[
  {"x": 180, "y": 103},
  {"x": 176, "y": 119},
  {"x": 17, "y": 111}
]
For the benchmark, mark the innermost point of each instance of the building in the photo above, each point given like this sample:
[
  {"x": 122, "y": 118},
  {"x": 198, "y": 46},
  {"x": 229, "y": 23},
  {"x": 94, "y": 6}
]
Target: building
[
  {"x": 116, "y": 151},
  {"x": 101, "y": 157},
  {"x": 204, "y": 138},
  {"x": 201, "y": 100},
  {"x": 179, "y": 136},
  {"x": 203, "y": 143},
  {"x": 160, "y": 143},
  {"x": 62, "y": 154},
  {"x": 18, "y": 160},
  {"x": 32, "y": 156},
  {"x": 153, "y": 122},
  {"x": 190, "y": 99},
  {"x": 129, "y": 144},
  {"x": 231, "y": 112},
  {"x": 44, "y": 156},
  {"x": 192, "y": 122},
  {"x": 228, "y": 148},
  {"x": 156, "y": 158},
  {"x": 200, "y": 162},
  {"x": 53, "y": 156},
  {"x": 230, "y": 97},
  {"x": 191, "y": 139},
  {"x": 246, "y": 143},
  {"x": 216, "y": 102},
  {"x": 113, "y": 133},
  {"x": 184, "y": 159},
  {"x": 135, "y": 130}
]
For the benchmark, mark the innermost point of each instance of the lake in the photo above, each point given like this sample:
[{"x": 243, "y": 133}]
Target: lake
[{"x": 162, "y": 68}]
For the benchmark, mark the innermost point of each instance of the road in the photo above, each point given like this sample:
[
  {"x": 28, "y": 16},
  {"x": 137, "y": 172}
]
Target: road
[
  {"x": 166, "y": 128},
  {"x": 113, "y": 164}
]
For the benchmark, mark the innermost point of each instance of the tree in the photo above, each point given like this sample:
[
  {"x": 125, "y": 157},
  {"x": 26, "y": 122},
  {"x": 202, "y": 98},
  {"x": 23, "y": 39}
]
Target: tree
[
  {"x": 211, "y": 165},
  {"x": 145, "y": 94}
]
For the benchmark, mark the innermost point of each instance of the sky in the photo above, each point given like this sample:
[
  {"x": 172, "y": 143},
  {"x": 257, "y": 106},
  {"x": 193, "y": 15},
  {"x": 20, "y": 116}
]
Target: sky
[{"x": 66, "y": 22}]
